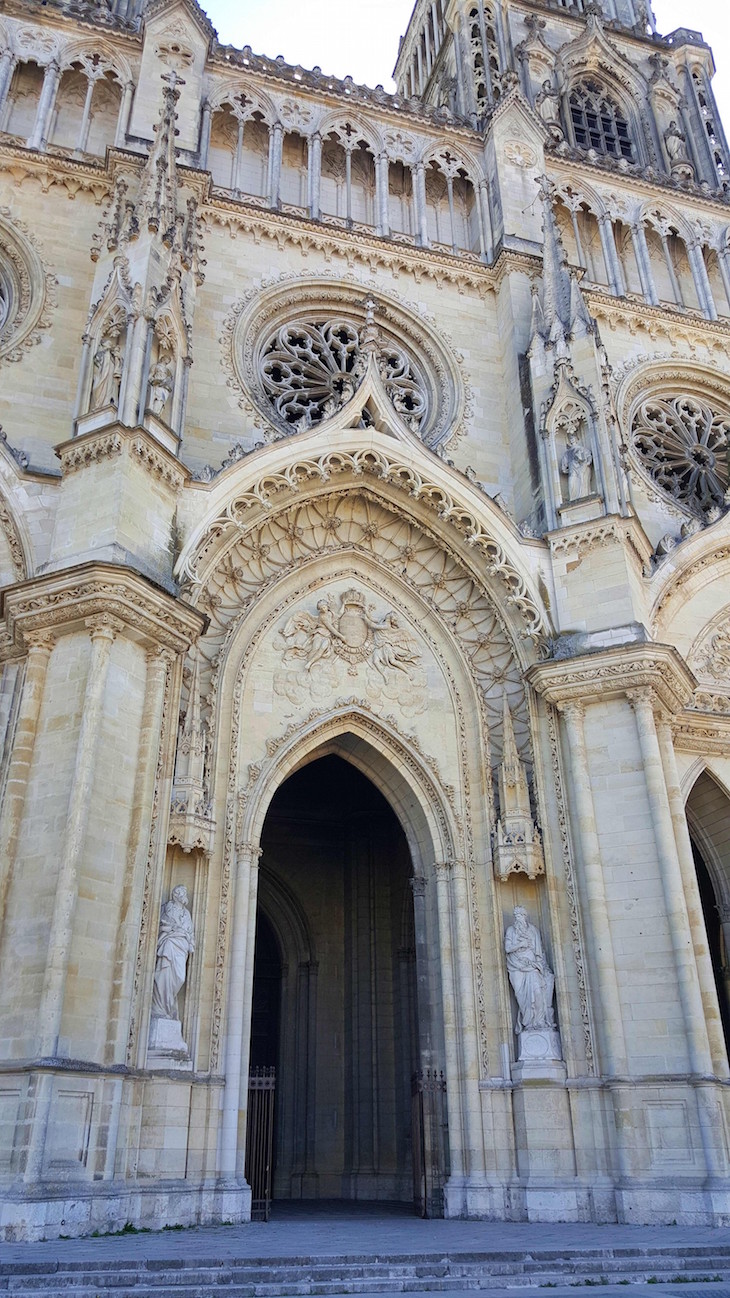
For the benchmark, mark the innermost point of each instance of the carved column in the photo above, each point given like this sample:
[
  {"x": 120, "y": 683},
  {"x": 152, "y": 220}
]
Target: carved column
[
  {"x": 450, "y": 1015},
  {"x": 232, "y": 1146},
  {"x": 7, "y": 68},
  {"x": 419, "y": 191},
  {"x": 123, "y": 118},
  {"x": 702, "y": 280},
  {"x": 485, "y": 222},
  {"x": 602, "y": 943},
  {"x": 141, "y": 825},
  {"x": 51, "y": 79},
  {"x": 692, "y": 898},
  {"x": 675, "y": 903},
  {"x": 382, "y": 168},
  {"x": 469, "y": 1028},
  {"x": 314, "y": 173},
  {"x": 641, "y": 252},
  {"x": 36, "y": 666},
  {"x": 206, "y": 118},
  {"x": 83, "y": 135},
  {"x": 103, "y": 631},
  {"x": 610, "y": 255},
  {"x": 722, "y": 261},
  {"x": 276, "y": 138}
]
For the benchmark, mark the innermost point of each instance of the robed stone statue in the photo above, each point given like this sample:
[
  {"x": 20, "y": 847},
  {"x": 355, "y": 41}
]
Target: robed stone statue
[
  {"x": 532, "y": 979},
  {"x": 175, "y": 942}
]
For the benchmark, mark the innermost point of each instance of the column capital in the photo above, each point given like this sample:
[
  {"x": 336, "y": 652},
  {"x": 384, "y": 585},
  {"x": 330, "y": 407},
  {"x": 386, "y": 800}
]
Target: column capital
[
  {"x": 250, "y": 852},
  {"x": 102, "y": 626}
]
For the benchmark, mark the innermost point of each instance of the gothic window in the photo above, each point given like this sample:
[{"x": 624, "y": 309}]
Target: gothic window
[
  {"x": 598, "y": 123},
  {"x": 311, "y": 369},
  {"x": 6, "y": 301},
  {"x": 710, "y": 128},
  {"x": 682, "y": 444},
  {"x": 486, "y": 79}
]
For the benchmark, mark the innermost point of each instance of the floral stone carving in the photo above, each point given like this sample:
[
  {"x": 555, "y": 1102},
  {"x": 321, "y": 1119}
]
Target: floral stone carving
[{"x": 682, "y": 443}]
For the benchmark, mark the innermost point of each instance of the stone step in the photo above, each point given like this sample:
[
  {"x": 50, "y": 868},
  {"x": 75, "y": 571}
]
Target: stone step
[{"x": 287, "y": 1277}]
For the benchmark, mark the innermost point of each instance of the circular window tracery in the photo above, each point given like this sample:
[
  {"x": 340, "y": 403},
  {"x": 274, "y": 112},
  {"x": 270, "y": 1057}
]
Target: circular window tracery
[
  {"x": 310, "y": 370},
  {"x": 26, "y": 290},
  {"x": 300, "y": 350},
  {"x": 683, "y": 444}
]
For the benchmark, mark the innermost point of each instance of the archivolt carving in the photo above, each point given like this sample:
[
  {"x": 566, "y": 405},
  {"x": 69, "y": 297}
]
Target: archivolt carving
[
  {"x": 361, "y": 524},
  {"x": 436, "y": 395},
  {"x": 710, "y": 656},
  {"x": 373, "y": 463},
  {"x": 27, "y": 289},
  {"x": 9, "y": 529}
]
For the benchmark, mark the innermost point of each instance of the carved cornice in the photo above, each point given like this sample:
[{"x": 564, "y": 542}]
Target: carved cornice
[
  {"x": 49, "y": 169},
  {"x": 666, "y": 321},
  {"x": 64, "y": 601},
  {"x": 580, "y": 539},
  {"x": 702, "y": 733},
  {"x": 612, "y": 673},
  {"x": 115, "y": 440}
]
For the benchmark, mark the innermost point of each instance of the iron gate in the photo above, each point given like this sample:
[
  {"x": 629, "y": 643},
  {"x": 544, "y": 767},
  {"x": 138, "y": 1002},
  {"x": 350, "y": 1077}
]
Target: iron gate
[
  {"x": 429, "y": 1130},
  {"x": 260, "y": 1140}
]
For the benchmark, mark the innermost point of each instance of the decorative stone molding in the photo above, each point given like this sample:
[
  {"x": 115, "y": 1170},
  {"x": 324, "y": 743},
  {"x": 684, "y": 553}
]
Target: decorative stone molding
[
  {"x": 115, "y": 439},
  {"x": 262, "y": 334},
  {"x": 582, "y": 538},
  {"x": 362, "y": 464},
  {"x": 10, "y": 531},
  {"x": 64, "y": 601},
  {"x": 27, "y": 289},
  {"x": 615, "y": 672}
]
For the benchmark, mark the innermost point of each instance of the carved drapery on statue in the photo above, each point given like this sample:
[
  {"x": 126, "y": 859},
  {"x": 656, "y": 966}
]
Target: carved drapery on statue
[
  {"x": 533, "y": 983},
  {"x": 175, "y": 942}
]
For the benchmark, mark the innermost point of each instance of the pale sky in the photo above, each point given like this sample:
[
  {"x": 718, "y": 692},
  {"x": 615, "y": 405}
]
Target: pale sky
[{"x": 361, "y": 37}]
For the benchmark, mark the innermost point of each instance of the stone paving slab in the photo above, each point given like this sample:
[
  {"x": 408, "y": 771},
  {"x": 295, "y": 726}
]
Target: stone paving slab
[{"x": 298, "y": 1234}]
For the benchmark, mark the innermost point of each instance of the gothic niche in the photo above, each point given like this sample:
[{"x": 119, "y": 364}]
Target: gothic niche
[
  {"x": 682, "y": 444},
  {"x": 108, "y": 362},
  {"x": 311, "y": 369}
]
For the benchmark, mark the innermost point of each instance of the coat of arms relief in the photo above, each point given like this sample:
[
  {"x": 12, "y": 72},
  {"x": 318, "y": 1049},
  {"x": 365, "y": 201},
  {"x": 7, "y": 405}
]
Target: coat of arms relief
[{"x": 345, "y": 636}]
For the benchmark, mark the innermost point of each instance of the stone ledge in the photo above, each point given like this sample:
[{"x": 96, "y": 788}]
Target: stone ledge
[{"x": 61, "y": 602}]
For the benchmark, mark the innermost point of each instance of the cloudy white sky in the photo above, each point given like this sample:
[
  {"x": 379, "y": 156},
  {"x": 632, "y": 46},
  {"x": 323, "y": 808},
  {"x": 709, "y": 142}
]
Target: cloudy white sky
[{"x": 361, "y": 37}]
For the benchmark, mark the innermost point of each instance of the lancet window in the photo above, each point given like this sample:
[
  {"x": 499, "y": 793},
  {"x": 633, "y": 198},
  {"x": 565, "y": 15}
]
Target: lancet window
[
  {"x": 598, "y": 123},
  {"x": 485, "y": 55},
  {"x": 711, "y": 131},
  {"x": 21, "y": 106}
]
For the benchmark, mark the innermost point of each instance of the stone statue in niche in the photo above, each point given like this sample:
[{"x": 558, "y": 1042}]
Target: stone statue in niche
[
  {"x": 532, "y": 979},
  {"x": 675, "y": 142},
  {"x": 175, "y": 942},
  {"x": 160, "y": 387},
  {"x": 576, "y": 465},
  {"x": 108, "y": 361},
  {"x": 547, "y": 103}
]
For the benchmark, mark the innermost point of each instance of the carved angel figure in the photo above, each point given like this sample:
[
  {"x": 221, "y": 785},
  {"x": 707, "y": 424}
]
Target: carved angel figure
[
  {"x": 393, "y": 647},
  {"x": 312, "y": 638}
]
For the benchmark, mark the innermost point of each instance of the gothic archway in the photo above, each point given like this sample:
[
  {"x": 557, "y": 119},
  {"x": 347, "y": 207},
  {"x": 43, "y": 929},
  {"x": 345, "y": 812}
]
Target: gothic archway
[{"x": 708, "y": 817}]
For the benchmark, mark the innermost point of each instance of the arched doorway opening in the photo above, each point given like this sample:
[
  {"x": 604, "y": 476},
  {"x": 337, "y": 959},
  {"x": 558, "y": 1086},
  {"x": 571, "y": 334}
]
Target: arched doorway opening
[
  {"x": 340, "y": 1004},
  {"x": 708, "y": 817}
]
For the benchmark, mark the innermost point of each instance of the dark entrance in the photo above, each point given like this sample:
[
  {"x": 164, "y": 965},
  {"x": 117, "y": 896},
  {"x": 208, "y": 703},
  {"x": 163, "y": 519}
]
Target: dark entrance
[{"x": 335, "y": 1007}]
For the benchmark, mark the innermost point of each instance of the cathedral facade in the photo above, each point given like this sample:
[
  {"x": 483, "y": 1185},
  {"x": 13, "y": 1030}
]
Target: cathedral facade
[{"x": 364, "y": 622}]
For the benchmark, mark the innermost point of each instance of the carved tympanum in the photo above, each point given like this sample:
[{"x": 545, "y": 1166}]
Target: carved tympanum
[{"x": 682, "y": 443}]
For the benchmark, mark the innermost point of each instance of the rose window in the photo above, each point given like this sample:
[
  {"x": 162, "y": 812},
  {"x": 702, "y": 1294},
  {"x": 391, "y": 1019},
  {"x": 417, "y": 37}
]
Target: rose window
[
  {"x": 309, "y": 370},
  {"x": 683, "y": 445}
]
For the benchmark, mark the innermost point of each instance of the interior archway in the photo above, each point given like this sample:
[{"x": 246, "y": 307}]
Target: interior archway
[{"x": 338, "y": 929}]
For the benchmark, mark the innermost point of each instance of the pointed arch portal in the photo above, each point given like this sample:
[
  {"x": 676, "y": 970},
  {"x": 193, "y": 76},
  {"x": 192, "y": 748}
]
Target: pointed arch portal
[{"x": 343, "y": 989}]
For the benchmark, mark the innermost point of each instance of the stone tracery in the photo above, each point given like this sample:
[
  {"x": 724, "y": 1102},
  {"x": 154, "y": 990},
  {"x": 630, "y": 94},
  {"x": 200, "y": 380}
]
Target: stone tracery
[{"x": 682, "y": 442}]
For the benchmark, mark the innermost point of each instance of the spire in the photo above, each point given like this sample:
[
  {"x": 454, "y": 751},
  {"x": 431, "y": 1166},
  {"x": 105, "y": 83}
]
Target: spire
[
  {"x": 510, "y": 756},
  {"x": 157, "y": 199},
  {"x": 517, "y": 843}
]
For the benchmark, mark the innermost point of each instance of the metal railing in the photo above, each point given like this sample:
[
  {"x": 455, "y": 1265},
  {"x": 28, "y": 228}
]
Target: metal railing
[{"x": 260, "y": 1140}]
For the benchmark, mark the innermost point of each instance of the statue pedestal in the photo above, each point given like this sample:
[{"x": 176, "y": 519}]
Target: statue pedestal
[
  {"x": 166, "y": 1046},
  {"x": 540, "y": 1056}
]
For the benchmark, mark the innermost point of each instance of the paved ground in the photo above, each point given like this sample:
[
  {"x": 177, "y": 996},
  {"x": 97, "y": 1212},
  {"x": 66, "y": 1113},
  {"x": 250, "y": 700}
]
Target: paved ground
[{"x": 298, "y": 1231}]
